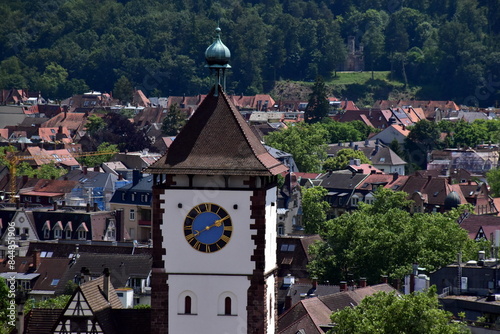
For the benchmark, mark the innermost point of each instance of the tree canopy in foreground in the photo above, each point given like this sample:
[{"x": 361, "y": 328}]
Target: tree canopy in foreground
[
  {"x": 388, "y": 313},
  {"x": 383, "y": 239}
]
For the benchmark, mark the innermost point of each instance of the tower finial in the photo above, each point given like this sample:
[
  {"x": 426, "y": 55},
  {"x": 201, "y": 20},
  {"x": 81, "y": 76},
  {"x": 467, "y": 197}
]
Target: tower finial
[{"x": 217, "y": 57}]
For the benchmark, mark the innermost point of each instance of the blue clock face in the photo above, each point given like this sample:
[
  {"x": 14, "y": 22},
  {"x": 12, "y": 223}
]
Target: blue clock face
[{"x": 208, "y": 227}]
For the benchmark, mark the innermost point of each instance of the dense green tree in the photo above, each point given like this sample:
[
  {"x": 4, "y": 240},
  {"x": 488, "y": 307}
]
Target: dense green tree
[
  {"x": 58, "y": 302},
  {"x": 105, "y": 152},
  {"x": 11, "y": 73},
  {"x": 426, "y": 134},
  {"x": 343, "y": 158},
  {"x": 4, "y": 303},
  {"x": 306, "y": 142},
  {"x": 52, "y": 81},
  {"x": 45, "y": 171},
  {"x": 314, "y": 208},
  {"x": 174, "y": 121},
  {"x": 120, "y": 131},
  {"x": 123, "y": 90},
  {"x": 388, "y": 313},
  {"x": 345, "y": 131},
  {"x": 94, "y": 124},
  {"x": 159, "y": 45},
  {"x": 318, "y": 105},
  {"x": 469, "y": 134},
  {"x": 493, "y": 179},
  {"x": 383, "y": 239}
]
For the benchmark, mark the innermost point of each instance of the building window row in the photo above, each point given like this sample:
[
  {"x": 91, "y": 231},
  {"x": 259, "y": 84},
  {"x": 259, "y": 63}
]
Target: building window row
[{"x": 188, "y": 301}]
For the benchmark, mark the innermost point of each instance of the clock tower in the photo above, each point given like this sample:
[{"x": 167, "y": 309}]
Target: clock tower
[{"x": 214, "y": 222}]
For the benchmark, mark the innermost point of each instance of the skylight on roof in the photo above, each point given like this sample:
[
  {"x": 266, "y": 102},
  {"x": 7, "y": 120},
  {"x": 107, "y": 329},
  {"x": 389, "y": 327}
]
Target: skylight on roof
[{"x": 54, "y": 282}]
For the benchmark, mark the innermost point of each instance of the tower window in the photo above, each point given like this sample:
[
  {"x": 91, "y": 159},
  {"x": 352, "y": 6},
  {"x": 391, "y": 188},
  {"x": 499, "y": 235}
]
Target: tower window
[
  {"x": 187, "y": 305},
  {"x": 227, "y": 306}
]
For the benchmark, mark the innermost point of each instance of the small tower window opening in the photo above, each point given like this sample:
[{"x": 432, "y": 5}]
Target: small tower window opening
[
  {"x": 227, "y": 306},
  {"x": 187, "y": 305}
]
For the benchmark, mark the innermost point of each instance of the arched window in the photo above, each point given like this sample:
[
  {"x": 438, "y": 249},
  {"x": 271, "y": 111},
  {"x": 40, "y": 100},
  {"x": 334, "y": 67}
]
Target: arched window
[
  {"x": 187, "y": 305},
  {"x": 227, "y": 306}
]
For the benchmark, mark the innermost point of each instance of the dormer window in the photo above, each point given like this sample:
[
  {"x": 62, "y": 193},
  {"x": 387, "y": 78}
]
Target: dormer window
[
  {"x": 58, "y": 230},
  {"x": 46, "y": 230},
  {"x": 68, "y": 230},
  {"x": 82, "y": 231}
]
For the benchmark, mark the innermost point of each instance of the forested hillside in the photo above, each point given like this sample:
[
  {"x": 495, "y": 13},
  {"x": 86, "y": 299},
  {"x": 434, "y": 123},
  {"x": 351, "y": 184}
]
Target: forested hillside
[{"x": 61, "y": 47}]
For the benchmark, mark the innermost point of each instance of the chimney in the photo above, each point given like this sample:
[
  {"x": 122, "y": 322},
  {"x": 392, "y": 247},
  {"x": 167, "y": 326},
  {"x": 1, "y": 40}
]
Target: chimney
[
  {"x": 120, "y": 177},
  {"x": 96, "y": 168},
  {"x": 288, "y": 302},
  {"x": 362, "y": 282},
  {"x": 65, "y": 111},
  {"x": 384, "y": 279},
  {"x": 85, "y": 170},
  {"x": 314, "y": 282},
  {"x": 95, "y": 207},
  {"x": 136, "y": 176},
  {"x": 55, "y": 206},
  {"x": 84, "y": 275},
  {"x": 36, "y": 259},
  {"x": 450, "y": 181},
  {"x": 105, "y": 287},
  {"x": 87, "y": 208},
  {"x": 395, "y": 176},
  {"x": 343, "y": 286}
]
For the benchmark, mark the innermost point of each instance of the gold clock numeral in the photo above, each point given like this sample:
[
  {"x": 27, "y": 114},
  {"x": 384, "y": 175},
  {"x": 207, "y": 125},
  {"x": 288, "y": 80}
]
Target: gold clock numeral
[
  {"x": 224, "y": 238},
  {"x": 197, "y": 209},
  {"x": 197, "y": 245},
  {"x": 188, "y": 227},
  {"x": 228, "y": 228},
  {"x": 190, "y": 237},
  {"x": 208, "y": 206}
]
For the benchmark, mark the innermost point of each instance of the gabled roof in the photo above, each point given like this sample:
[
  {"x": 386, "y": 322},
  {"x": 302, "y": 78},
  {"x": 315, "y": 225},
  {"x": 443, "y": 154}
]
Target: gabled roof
[
  {"x": 51, "y": 271},
  {"x": 41, "y": 321},
  {"x": 309, "y": 314},
  {"x": 41, "y": 156},
  {"x": 473, "y": 223},
  {"x": 70, "y": 120},
  {"x": 217, "y": 141},
  {"x": 121, "y": 267}
]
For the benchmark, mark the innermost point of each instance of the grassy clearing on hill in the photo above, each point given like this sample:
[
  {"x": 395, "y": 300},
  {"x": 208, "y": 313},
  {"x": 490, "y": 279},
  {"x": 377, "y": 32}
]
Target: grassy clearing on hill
[
  {"x": 356, "y": 86},
  {"x": 348, "y": 78}
]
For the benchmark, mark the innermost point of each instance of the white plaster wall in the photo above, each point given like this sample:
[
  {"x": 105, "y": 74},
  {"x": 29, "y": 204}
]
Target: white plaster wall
[
  {"x": 271, "y": 300},
  {"x": 207, "y": 290},
  {"x": 234, "y": 258},
  {"x": 271, "y": 229}
]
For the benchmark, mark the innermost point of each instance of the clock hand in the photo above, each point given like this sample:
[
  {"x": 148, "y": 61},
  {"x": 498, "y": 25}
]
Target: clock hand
[{"x": 217, "y": 223}]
